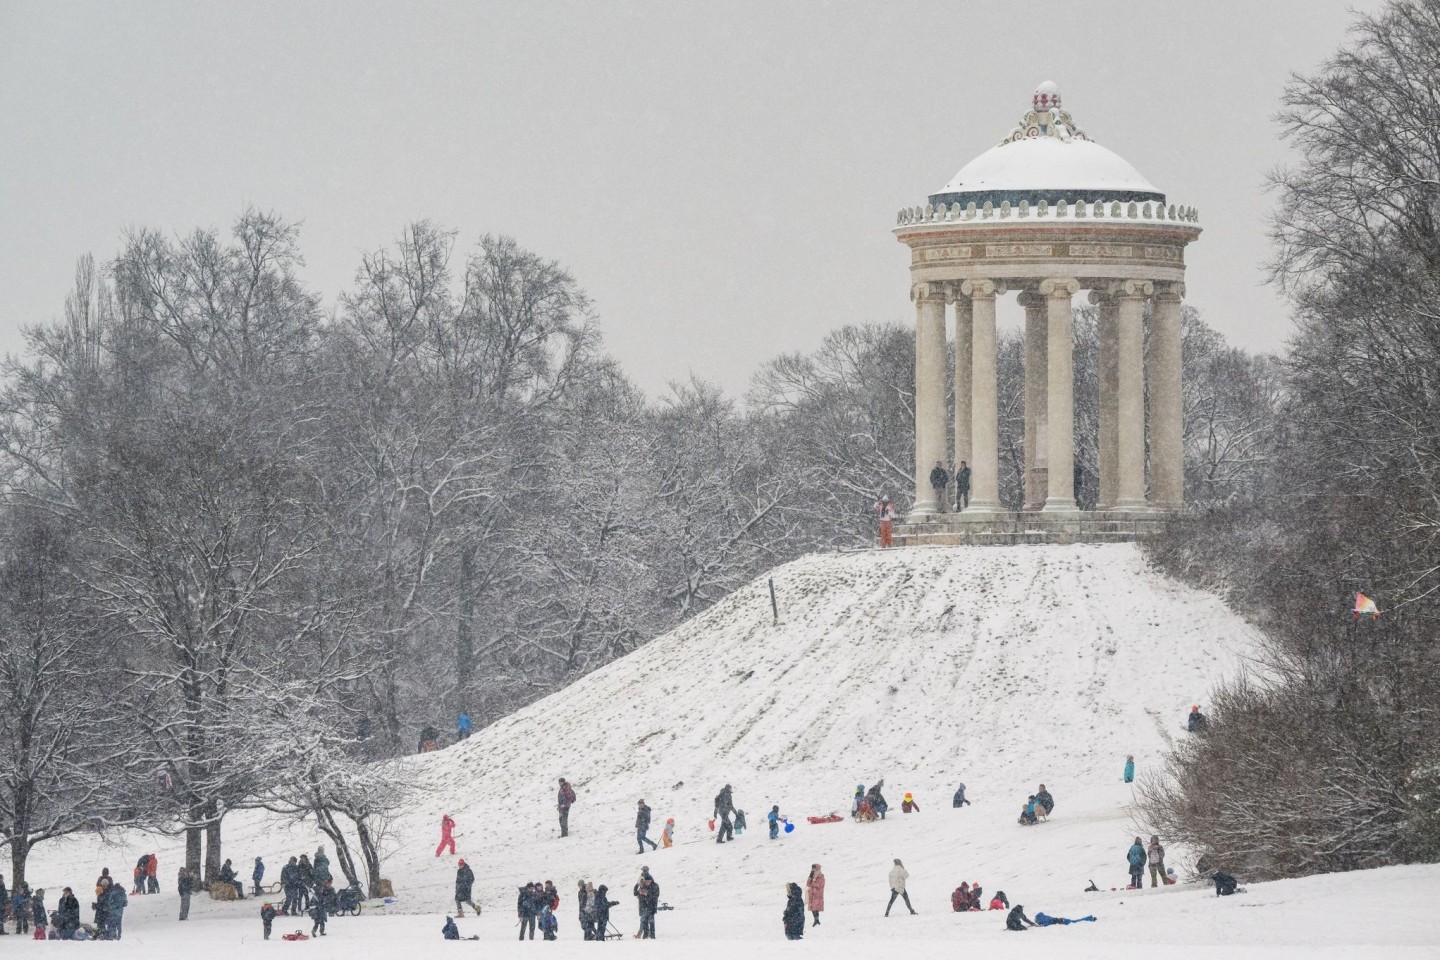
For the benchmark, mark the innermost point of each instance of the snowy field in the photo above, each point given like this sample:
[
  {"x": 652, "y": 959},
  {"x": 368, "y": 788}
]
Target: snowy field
[{"x": 998, "y": 667}]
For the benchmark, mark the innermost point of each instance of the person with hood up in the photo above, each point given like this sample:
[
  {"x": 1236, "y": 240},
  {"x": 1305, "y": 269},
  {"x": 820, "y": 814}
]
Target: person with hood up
[
  {"x": 450, "y": 931},
  {"x": 876, "y": 799},
  {"x": 116, "y": 902},
  {"x": 960, "y": 800},
  {"x": 794, "y": 916},
  {"x": 603, "y": 903},
  {"x": 447, "y": 835},
  {"x": 1130, "y": 768},
  {"x": 1155, "y": 856},
  {"x": 464, "y": 885},
  {"x": 642, "y": 828},
  {"x": 1136, "y": 859},
  {"x": 960, "y": 899},
  {"x": 320, "y": 869},
  {"x": 999, "y": 901},
  {"x": 724, "y": 810},
  {"x": 859, "y": 799},
  {"x": 1017, "y": 921},
  {"x": 290, "y": 883},
  {"x": 815, "y": 893},
  {"x": 898, "y": 876},
  {"x": 527, "y": 908},
  {"x": 908, "y": 804},
  {"x": 258, "y": 874}
]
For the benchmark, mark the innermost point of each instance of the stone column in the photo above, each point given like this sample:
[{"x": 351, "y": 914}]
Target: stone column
[
  {"x": 1060, "y": 395},
  {"x": 1167, "y": 453},
  {"x": 984, "y": 405},
  {"x": 1036, "y": 414},
  {"x": 1109, "y": 372},
  {"x": 964, "y": 375},
  {"x": 1130, "y": 393},
  {"x": 930, "y": 442}
]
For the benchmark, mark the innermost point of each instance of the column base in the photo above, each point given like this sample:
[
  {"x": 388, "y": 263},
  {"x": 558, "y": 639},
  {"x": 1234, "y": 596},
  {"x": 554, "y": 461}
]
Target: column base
[
  {"x": 1058, "y": 505},
  {"x": 1130, "y": 506}
]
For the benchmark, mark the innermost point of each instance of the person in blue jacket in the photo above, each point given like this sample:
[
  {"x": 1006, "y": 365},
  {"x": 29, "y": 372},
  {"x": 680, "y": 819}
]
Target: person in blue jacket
[
  {"x": 462, "y": 725},
  {"x": 257, "y": 875},
  {"x": 116, "y": 902},
  {"x": 1130, "y": 768},
  {"x": 1136, "y": 859},
  {"x": 450, "y": 931},
  {"x": 773, "y": 818}
]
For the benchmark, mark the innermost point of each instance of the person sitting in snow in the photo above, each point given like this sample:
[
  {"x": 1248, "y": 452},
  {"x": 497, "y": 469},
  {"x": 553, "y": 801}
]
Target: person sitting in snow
[
  {"x": 1225, "y": 884},
  {"x": 1198, "y": 722},
  {"x": 1027, "y": 813},
  {"x": 999, "y": 901},
  {"x": 1043, "y": 801},
  {"x": 908, "y": 804},
  {"x": 1017, "y": 921},
  {"x": 960, "y": 899},
  {"x": 976, "y": 903},
  {"x": 450, "y": 931}
]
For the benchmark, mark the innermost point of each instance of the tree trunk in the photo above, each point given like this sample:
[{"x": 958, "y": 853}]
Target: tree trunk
[
  {"x": 19, "y": 853},
  {"x": 192, "y": 845},
  {"x": 213, "y": 858},
  {"x": 371, "y": 854},
  {"x": 331, "y": 828}
]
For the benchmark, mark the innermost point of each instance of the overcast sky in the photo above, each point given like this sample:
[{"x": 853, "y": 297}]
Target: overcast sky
[{"x": 721, "y": 177}]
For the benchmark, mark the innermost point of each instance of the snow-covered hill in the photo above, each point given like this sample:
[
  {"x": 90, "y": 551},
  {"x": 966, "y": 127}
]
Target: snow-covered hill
[{"x": 998, "y": 667}]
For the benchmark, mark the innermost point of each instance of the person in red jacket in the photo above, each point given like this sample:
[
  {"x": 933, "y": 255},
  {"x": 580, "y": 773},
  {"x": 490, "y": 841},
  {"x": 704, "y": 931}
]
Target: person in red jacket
[
  {"x": 447, "y": 834},
  {"x": 152, "y": 884},
  {"x": 564, "y": 800},
  {"x": 960, "y": 899}
]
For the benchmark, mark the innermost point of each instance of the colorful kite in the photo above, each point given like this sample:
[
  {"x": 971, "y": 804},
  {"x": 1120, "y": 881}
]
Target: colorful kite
[{"x": 1365, "y": 606}]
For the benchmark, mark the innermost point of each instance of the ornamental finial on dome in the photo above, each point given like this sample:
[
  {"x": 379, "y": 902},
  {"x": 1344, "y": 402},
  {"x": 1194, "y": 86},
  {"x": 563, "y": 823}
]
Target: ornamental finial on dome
[{"x": 1046, "y": 118}]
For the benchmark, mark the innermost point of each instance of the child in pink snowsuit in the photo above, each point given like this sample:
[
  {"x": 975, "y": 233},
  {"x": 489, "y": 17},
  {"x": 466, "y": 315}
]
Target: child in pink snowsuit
[{"x": 447, "y": 835}]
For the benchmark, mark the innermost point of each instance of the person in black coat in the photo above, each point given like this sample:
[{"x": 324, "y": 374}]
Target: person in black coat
[
  {"x": 1044, "y": 800},
  {"x": 642, "y": 827},
  {"x": 290, "y": 882},
  {"x": 939, "y": 481},
  {"x": 1017, "y": 920},
  {"x": 464, "y": 884},
  {"x": 794, "y": 916},
  {"x": 318, "y": 914},
  {"x": 67, "y": 911},
  {"x": 724, "y": 810},
  {"x": 603, "y": 903},
  {"x": 962, "y": 486},
  {"x": 647, "y": 892},
  {"x": 450, "y": 931},
  {"x": 527, "y": 907},
  {"x": 960, "y": 800},
  {"x": 227, "y": 875}
]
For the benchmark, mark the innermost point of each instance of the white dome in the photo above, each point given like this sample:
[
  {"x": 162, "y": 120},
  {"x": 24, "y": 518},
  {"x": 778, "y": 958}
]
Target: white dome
[{"x": 1047, "y": 168}]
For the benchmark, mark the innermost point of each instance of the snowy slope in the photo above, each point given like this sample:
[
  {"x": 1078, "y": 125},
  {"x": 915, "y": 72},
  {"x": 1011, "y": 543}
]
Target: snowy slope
[{"x": 999, "y": 667}]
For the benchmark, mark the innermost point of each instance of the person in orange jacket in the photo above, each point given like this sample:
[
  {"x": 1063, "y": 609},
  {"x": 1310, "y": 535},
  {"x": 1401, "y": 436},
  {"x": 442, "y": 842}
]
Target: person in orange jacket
[{"x": 908, "y": 804}]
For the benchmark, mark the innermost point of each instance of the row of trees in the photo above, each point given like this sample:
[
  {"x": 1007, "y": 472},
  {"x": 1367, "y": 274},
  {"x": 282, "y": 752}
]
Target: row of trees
[
  {"x": 254, "y": 545},
  {"x": 1327, "y": 757}
]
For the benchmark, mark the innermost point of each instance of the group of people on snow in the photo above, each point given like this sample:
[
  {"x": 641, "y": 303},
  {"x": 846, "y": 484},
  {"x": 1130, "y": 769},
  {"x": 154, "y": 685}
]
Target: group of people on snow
[{"x": 1037, "y": 807}]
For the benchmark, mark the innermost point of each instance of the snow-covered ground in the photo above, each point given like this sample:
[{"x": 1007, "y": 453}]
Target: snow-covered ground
[{"x": 998, "y": 667}]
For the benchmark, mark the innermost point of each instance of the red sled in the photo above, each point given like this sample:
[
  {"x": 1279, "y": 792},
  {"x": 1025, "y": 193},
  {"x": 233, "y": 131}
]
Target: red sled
[{"x": 833, "y": 818}]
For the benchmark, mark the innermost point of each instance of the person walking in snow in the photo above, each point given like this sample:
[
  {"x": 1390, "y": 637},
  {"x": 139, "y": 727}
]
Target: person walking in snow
[
  {"x": 959, "y": 800},
  {"x": 1130, "y": 768},
  {"x": 1155, "y": 856},
  {"x": 724, "y": 810},
  {"x": 940, "y": 483},
  {"x": 793, "y": 918},
  {"x": 1198, "y": 722},
  {"x": 647, "y": 893},
  {"x": 447, "y": 834},
  {"x": 1017, "y": 921},
  {"x": 886, "y": 510},
  {"x": 773, "y": 819},
  {"x": 464, "y": 887},
  {"x": 908, "y": 804},
  {"x": 564, "y": 800},
  {"x": 257, "y": 874},
  {"x": 815, "y": 893},
  {"x": 462, "y": 726},
  {"x": 740, "y": 822},
  {"x": 1136, "y": 858},
  {"x": 962, "y": 486},
  {"x": 318, "y": 916},
  {"x": 898, "y": 876},
  {"x": 667, "y": 834},
  {"x": 642, "y": 828}
]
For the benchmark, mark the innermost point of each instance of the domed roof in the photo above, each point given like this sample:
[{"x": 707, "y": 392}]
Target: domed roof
[{"x": 1046, "y": 157}]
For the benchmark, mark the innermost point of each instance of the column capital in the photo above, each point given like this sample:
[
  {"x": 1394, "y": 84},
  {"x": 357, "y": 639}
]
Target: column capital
[
  {"x": 1169, "y": 290},
  {"x": 1059, "y": 288},
  {"x": 982, "y": 289},
  {"x": 1100, "y": 296},
  {"x": 1130, "y": 289},
  {"x": 1030, "y": 298},
  {"x": 927, "y": 291}
]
